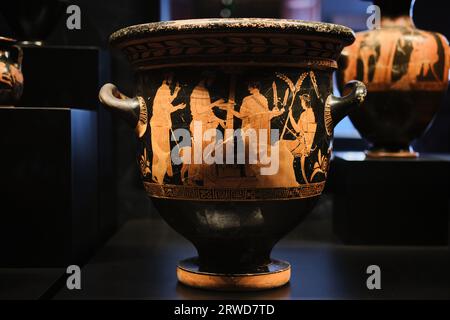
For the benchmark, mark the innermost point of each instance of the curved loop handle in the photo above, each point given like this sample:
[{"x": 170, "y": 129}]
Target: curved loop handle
[
  {"x": 337, "y": 108},
  {"x": 19, "y": 57},
  {"x": 132, "y": 110},
  {"x": 448, "y": 61}
]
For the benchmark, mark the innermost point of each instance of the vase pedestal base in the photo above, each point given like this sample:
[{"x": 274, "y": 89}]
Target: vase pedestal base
[
  {"x": 377, "y": 154},
  {"x": 277, "y": 274}
]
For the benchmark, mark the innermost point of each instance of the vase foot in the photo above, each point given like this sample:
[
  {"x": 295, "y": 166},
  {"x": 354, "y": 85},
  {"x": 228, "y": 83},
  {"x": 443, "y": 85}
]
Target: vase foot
[
  {"x": 391, "y": 154},
  {"x": 278, "y": 274}
]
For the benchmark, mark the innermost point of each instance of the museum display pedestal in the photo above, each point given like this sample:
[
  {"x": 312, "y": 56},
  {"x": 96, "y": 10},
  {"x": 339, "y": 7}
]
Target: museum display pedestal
[
  {"x": 30, "y": 283},
  {"x": 57, "y": 177},
  {"x": 49, "y": 186},
  {"x": 142, "y": 266},
  {"x": 391, "y": 201}
]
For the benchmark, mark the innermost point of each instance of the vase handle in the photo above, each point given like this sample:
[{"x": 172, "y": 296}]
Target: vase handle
[
  {"x": 339, "y": 107},
  {"x": 448, "y": 60},
  {"x": 19, "y": 56},
  {"x": 132, "y": 110}
]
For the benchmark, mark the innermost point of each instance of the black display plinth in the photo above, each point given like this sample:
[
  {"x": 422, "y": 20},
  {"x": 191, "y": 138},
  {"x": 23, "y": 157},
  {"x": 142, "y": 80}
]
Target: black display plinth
[
  {"x": 391, "y": 201},
  {"x": 49, "y": 186},
  {"x": 64, "y": 76}
]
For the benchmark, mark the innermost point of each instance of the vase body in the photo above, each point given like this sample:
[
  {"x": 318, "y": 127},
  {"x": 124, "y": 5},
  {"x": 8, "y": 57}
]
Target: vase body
[
  {"x": 11, "y": 77},
  {"x": 235, "y": 119},
  {"x": 406, "y": 73}
]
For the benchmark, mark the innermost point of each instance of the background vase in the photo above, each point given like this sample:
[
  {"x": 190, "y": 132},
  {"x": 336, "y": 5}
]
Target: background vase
[
  {"x": 32, "y": 21},
  {"x": 11, "y": 78},
  {"x": 406, "y": 73}
]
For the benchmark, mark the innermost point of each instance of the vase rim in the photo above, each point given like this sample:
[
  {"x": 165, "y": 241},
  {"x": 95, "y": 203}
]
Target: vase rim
[
  {"x": 323, "y": 30},
  {"x": 6, "y": 40}
]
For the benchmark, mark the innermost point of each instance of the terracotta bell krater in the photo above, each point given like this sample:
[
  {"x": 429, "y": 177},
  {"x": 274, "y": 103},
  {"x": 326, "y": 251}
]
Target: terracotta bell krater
[
  {"x": 11, "y": 78},
  {"x": 235, "y": 119},
  {"x": 406, "y": 73}
]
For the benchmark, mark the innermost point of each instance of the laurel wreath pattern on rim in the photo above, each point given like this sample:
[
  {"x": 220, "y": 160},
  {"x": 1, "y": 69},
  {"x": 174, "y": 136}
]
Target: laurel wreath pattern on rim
[{"x": 233, "y": 45}]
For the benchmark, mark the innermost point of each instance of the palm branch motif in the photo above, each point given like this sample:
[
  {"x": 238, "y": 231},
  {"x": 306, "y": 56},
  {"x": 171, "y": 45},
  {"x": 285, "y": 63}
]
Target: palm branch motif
[
  {"x": 322, "y": 164},
  {"x": 294, "y": 90},
  {"x": 144, "y": 164},
  {"x": 287, "y": 80},
  {"x": 286, "y": 96},
  {"x": 299, "y": 83}
]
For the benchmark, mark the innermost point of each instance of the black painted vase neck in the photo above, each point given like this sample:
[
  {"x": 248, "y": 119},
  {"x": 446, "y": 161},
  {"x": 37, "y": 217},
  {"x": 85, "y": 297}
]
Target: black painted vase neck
[
  {"x": 394, "y": 8},
  {"x": 395, "y": 13}
]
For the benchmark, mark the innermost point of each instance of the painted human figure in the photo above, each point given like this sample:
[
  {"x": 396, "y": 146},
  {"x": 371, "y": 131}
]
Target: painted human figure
[
  {"x": 305, "y": 128},
  {"x": 296, "y": 151},
  {"x": 202, "y": 115},
  {"x": 255, "y": 112},
  {"x": 421, "y": 61},
  {"x": 161, "y": 126},
  {"x": 377, "y": 57},
  {"x": 256, "y": 115},
  {"x": 202, "y": 107},
  {"x": 423, "y": 55},
  {"x": 369, "y": 52}
]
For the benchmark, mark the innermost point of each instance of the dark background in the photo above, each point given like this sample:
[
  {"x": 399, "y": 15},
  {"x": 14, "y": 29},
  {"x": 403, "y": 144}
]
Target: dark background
[
  {"x": 138, "y": 262},
  {"x": 98, "y": 20},
  {"x": 101, "y": 18}
]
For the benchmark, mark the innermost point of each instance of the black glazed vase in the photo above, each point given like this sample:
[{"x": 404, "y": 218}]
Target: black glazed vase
[
  {"x": 32, "y": 21},
  {"x": 211, "y": 92}
]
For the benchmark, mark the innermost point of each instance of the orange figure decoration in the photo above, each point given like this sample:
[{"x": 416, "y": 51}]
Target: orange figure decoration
[
  {"x": 305, "y": 128},
  {"x": 202, "y": 116},
  {"x": 161, "y": 128}
]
